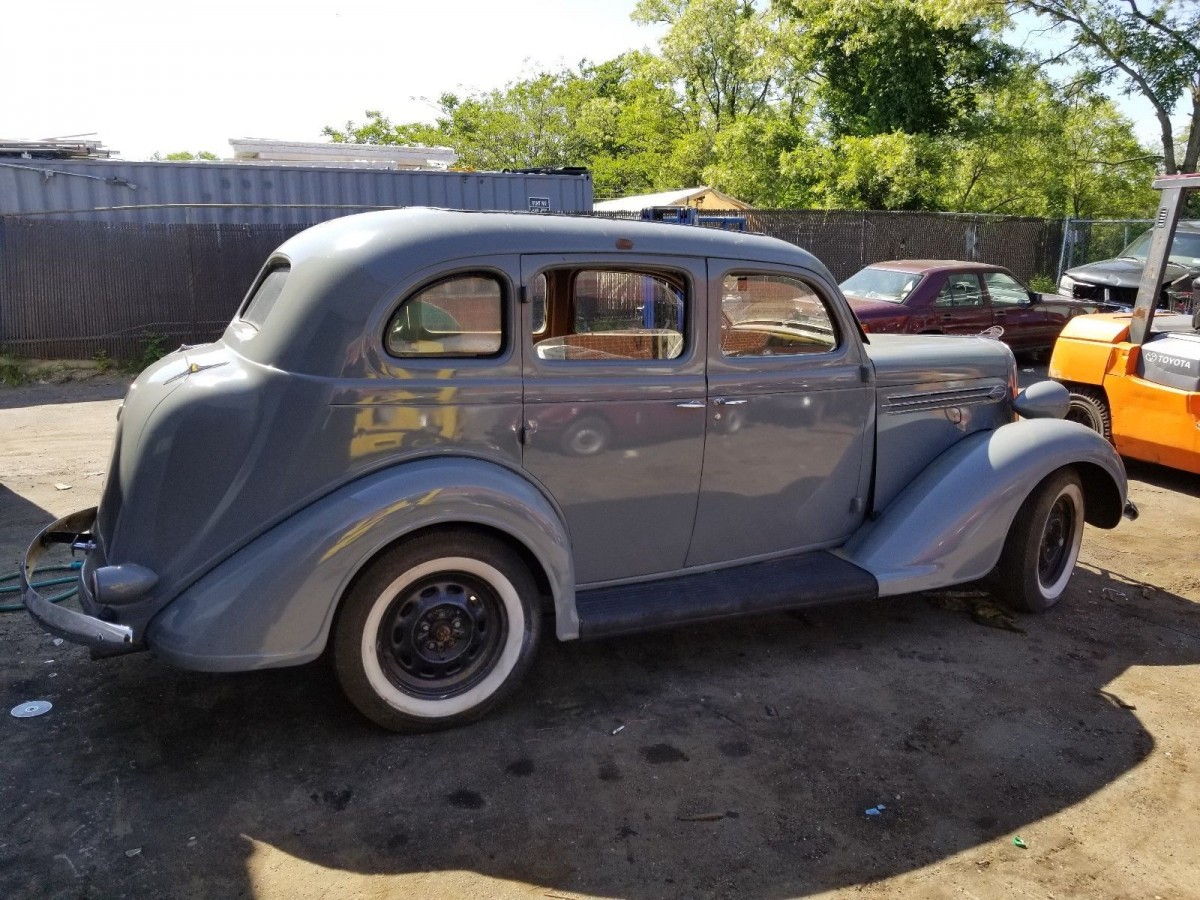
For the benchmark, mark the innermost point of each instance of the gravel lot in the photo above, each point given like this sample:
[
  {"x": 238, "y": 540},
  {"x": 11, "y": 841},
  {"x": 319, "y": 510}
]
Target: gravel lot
[{"x": 732, "y": 760}]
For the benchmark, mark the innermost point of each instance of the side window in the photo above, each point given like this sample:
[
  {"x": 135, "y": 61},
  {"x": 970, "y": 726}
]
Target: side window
[
  {"x": 537, "y": 299},
  {"x": 773, "y": 315},
  {"x": 608, "y": 314},
  {"x": 462, "y": 316},
  {"x": 1005, "y": 289},
  {"x": 960, "y": 290},
  {"x": 263, "y": 300}
]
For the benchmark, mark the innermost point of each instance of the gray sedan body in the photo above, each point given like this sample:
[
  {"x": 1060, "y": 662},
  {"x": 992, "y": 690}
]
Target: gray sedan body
[{"x": 647, "y": 416}]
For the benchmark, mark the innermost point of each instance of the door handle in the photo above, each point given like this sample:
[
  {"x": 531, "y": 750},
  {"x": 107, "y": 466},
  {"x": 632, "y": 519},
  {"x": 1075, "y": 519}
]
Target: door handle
[
  {"x": 721, "y": 401},
  {"x": 691, "y": 404}
]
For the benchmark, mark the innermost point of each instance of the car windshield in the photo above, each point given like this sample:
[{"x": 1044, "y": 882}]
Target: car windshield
[
  {"x": 1185, "y": 250},
  {"x": 881, "y": 284}
]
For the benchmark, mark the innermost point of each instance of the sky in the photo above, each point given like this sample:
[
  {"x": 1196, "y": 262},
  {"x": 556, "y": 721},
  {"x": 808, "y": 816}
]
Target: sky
[
  {"x": 151, "y": 75},
  {"x": 155, "y": 75}
]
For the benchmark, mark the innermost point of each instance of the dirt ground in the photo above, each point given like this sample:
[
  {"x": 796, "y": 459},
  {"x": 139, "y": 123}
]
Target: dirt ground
[{"x": 727, "y": 760}]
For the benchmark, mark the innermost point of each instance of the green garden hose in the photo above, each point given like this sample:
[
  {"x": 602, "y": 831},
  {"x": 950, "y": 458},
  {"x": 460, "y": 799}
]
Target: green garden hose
[{"x": 57, "y": 598}]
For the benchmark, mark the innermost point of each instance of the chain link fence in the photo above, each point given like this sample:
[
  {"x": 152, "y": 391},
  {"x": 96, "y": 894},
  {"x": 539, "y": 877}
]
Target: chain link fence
[
  {"x": 1091, "y": 240},
  {"x": 74, "y": 289}
]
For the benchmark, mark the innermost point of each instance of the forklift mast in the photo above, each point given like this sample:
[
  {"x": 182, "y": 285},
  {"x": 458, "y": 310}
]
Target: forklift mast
[{"x": 1175, "y": 189}]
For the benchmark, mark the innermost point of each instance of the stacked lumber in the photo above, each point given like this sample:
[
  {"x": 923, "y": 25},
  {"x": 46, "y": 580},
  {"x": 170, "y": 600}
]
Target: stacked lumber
[{"x": 79, "y": 146}]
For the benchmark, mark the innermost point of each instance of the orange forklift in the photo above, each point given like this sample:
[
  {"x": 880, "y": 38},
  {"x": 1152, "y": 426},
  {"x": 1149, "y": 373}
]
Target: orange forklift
[{"x": 1135, "y": 377}]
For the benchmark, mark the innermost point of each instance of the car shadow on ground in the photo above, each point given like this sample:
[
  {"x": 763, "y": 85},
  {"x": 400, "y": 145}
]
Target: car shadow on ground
[
  {"x": 22, "y": 518},
  {"x": 723, "y": 760},
  {"x": 1164, "y": 478}
]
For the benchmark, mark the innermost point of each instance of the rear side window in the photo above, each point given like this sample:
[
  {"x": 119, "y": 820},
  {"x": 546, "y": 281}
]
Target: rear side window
[
  {"x": 960, "y": 290},
  {"x": 263, "y": 300},
  {"x": 608, "y": 315},
  {"x": 460, "y": 317},
  {"x": 774, "y": 315}
]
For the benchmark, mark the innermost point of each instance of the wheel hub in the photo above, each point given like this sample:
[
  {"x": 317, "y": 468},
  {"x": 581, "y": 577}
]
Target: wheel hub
[
  {"x": 1054, "y": 551},
  {"x": 441, "y": 634}
]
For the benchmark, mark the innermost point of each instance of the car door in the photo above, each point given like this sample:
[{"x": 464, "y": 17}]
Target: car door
[
  {"x": 614, "y": 404},
  {"x": 961, "y": 306},
  {"x": 791, "y": 408},
  {"x": 1026, "y": 324}
]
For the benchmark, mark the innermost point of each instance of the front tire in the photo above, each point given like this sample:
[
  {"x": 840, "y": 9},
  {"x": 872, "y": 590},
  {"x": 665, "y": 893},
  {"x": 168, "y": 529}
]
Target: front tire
[
  {"x": 437, "y": 631},
  {"x": 1043, "y": 544}
]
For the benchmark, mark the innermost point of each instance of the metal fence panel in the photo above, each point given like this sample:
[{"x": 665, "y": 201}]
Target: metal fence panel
[{"x": 76, "y": 288}]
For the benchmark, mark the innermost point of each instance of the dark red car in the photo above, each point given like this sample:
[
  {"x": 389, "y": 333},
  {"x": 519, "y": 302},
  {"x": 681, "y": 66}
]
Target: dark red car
[{"x": 931, "y": 296}]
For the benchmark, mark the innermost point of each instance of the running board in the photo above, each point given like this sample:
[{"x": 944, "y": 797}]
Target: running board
[{"x": 808, "y": 580}]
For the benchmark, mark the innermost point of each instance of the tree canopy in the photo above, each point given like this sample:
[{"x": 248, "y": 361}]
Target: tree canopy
[{"x": 890, "y": 104}]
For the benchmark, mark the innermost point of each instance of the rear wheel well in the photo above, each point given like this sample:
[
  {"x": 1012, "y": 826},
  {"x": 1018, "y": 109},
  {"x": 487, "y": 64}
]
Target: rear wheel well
[{"x": 536, "y": 570}]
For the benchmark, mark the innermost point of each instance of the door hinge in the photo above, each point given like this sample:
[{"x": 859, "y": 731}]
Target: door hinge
[
  {"x": 524, "y": 294},
  {"x": 527, "y": 431},
  {"x": 866, "y": 373}
]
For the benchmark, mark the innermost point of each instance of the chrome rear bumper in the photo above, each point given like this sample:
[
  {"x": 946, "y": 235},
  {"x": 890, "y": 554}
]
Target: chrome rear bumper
[{"x": 103, "y": 638}]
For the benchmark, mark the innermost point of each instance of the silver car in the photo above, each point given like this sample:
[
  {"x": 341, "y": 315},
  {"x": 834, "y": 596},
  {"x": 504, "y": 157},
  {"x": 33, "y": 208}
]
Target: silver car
[{"x": 425, "y": 433}]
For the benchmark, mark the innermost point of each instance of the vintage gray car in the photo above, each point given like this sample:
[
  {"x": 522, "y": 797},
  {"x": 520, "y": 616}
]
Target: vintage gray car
[{"x": 425, "y": 431}]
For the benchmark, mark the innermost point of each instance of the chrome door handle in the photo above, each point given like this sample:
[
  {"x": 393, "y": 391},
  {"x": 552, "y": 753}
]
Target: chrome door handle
[
  {"x": 691, "y": 404},
  {"x": 721, "y": 401}
]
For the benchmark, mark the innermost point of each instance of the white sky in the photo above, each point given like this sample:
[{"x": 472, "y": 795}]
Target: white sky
[{"x": 149, "y": 75}]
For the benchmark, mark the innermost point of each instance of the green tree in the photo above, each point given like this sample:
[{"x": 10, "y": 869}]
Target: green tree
[
  {"x": 722, "y": 54},
  {"x": 1037, "y": 149},
  {"x": 183, "y": 156},
  {"x": 1152, "y": 47},
  {"x": 894, "y": 65}
]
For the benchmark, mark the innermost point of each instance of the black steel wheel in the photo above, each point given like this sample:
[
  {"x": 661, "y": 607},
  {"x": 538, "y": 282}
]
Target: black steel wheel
[
  {"x": 1089, "y": 406},
  {"x": 1043, "y": 544},
  {"x": 437, "y": 631}
]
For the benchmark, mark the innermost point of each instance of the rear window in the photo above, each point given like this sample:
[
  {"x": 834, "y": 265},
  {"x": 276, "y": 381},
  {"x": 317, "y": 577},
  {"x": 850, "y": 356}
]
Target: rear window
[
  {"x": 881, "y": 284},
  {"x": 263, "y": 300}
]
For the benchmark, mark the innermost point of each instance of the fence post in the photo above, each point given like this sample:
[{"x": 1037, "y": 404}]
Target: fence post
[{"x": 1062, "y": 253}]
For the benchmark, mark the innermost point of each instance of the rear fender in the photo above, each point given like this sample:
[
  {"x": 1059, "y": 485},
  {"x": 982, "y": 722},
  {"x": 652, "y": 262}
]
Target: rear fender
[
  {"x": 949, "y": 525},
  {"x": 272, "y": 603}
]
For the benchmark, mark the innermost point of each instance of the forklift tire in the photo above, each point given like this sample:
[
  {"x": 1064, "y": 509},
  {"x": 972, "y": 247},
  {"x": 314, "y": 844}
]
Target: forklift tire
[{"x": 1089, "y": 406}]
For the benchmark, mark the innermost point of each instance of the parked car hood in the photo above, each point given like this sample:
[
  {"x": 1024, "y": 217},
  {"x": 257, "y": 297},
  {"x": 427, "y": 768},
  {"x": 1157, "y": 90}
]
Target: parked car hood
[
  {"x": 923, "y": 358},
  {"x": 1124, "y": 273}
]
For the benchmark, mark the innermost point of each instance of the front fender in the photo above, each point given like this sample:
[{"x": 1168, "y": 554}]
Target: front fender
[
  {"x": 272, "y": 603},
  {"x": 948, "y": 526}
]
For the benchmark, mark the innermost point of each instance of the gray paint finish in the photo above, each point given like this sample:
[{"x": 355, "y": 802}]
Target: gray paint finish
[
  {"x": 257, "y": 475},
  {"x": 949, "y": 524}
]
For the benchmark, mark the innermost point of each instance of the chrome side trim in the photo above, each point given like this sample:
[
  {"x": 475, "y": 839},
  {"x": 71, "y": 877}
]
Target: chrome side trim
[{"x": 928, "y": 400}]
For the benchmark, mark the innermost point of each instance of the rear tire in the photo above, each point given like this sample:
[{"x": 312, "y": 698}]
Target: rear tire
[
  {"x": 1089, "y": 406},
  {"x": 437, "y": 631},
  {"x": 1043, "y": 544}
]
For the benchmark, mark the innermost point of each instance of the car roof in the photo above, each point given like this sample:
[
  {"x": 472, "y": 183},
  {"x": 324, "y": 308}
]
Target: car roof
[
  {"x": 342, "y": 270},
  {"x": 434, "y": 235},
  {"x": 926, "y": 266}
]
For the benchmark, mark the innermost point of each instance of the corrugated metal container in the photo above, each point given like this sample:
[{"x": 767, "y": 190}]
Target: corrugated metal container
[{"x": 143, "y": 192}]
